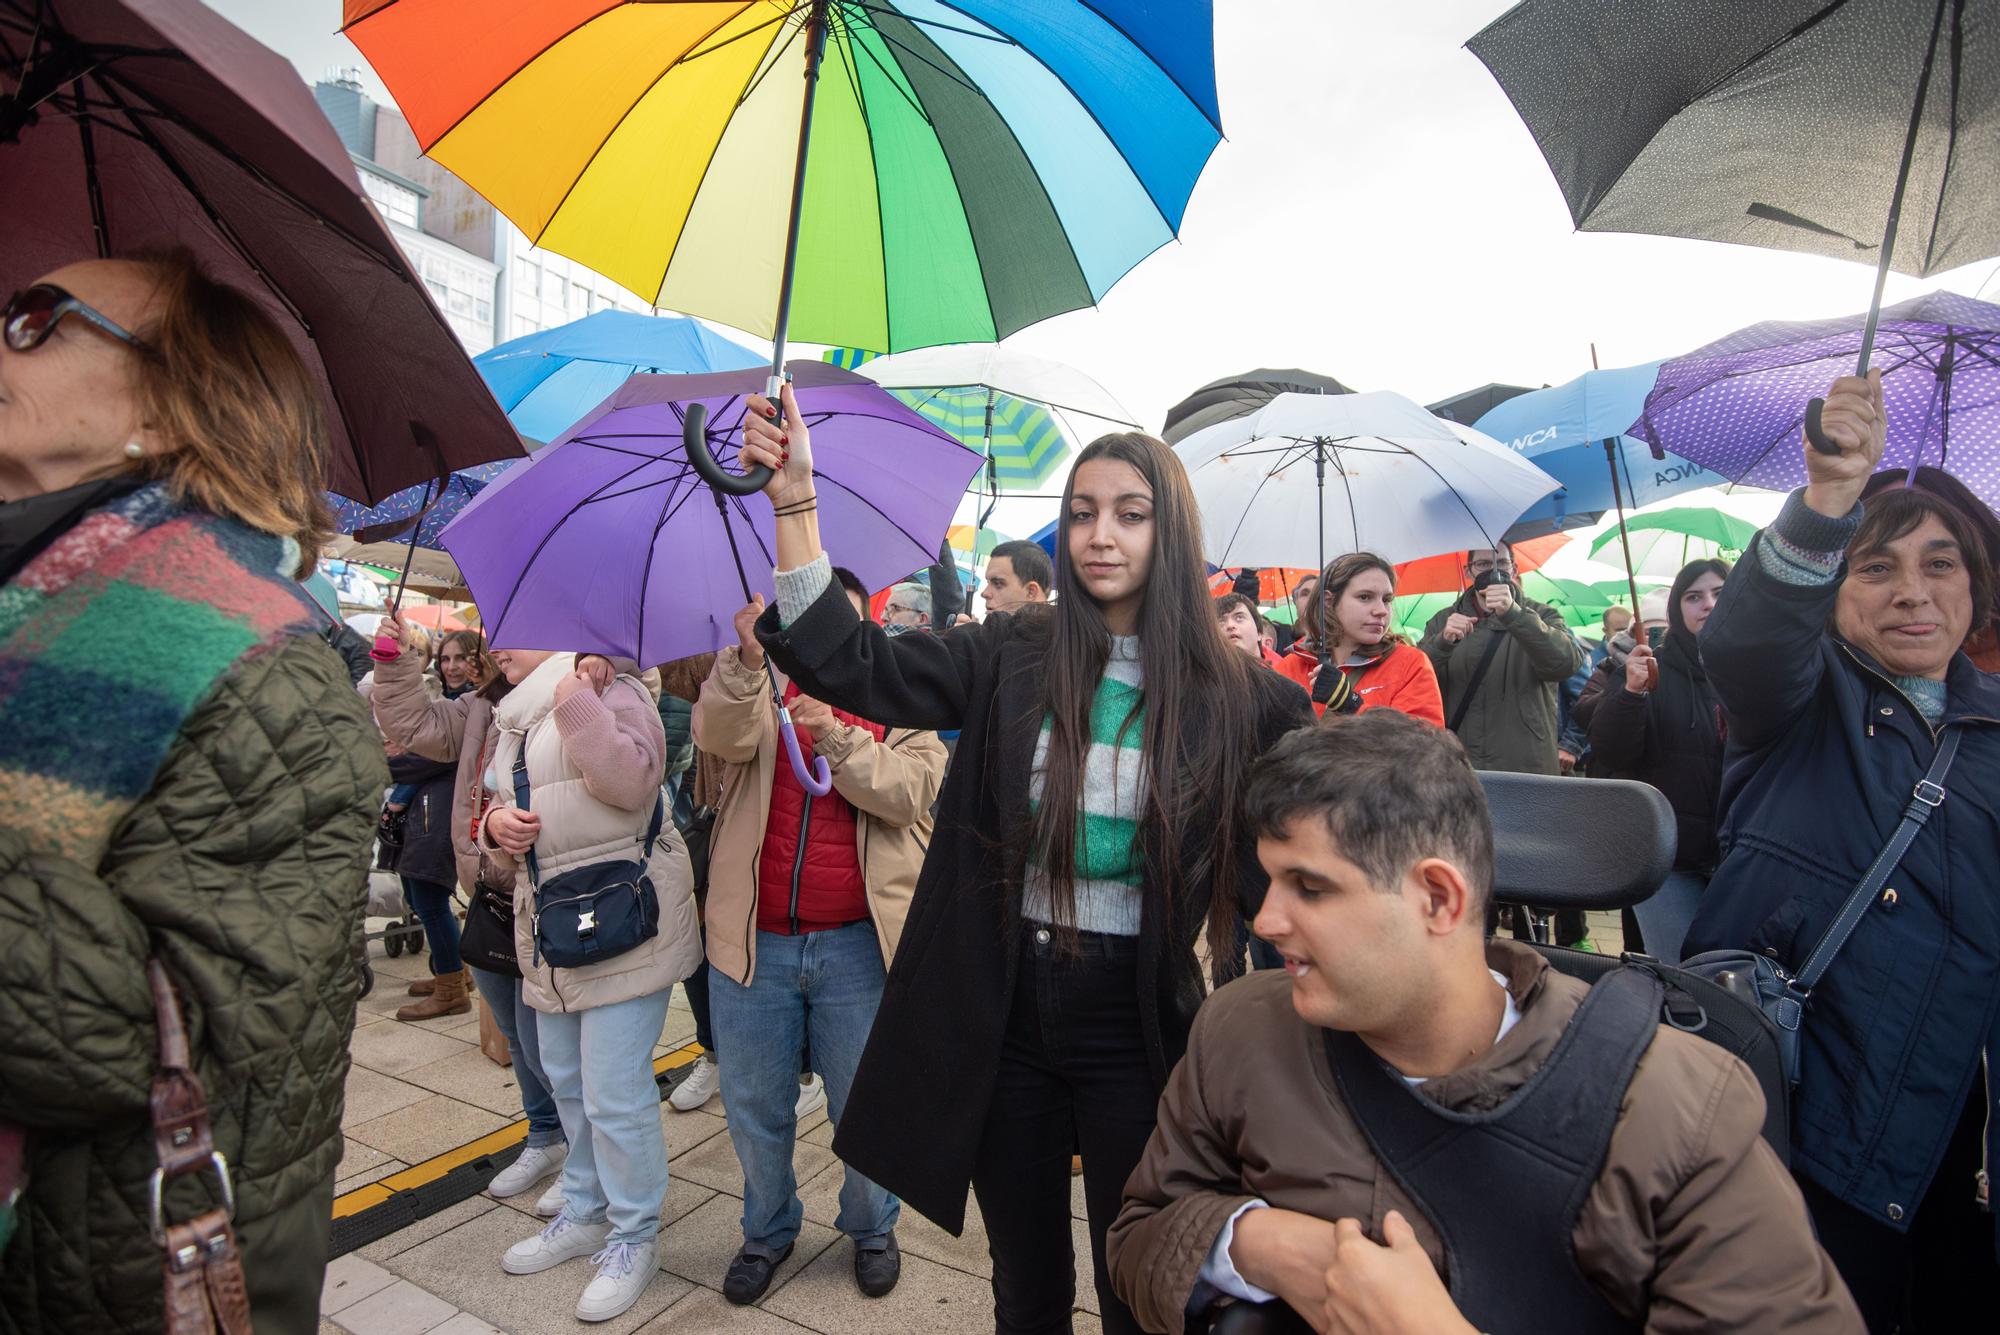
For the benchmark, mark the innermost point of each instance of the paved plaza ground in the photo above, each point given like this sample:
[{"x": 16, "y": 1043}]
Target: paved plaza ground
[{"x": 422, "y": 1090}]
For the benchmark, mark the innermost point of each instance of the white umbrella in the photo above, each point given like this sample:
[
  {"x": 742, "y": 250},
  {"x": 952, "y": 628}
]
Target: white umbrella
[
  {"x": 1308, "y": 475},
  {"x": 1002, "y": 370}
]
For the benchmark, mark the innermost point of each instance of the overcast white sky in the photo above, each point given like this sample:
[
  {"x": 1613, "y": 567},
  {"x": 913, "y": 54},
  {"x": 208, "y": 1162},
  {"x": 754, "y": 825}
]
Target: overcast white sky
[{"x": 1377, "y": 213}]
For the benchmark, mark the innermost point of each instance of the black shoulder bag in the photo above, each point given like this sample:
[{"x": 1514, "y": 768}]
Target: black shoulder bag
[
  {"x": 1478, "y": 676},
  {"x": 593, "y": 913},
  {"x": 1783, "y": 997}
]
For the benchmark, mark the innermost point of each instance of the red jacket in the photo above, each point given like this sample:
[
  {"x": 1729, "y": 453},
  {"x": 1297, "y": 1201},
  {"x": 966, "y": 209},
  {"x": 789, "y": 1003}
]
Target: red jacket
[
  {"x": 1401, "y": 679},
  {"x": 820, "y": 886}
]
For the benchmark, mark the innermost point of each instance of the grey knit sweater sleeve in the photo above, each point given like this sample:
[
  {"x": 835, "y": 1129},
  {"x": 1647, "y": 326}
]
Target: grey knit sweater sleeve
[{"x": 797, "y": 589}]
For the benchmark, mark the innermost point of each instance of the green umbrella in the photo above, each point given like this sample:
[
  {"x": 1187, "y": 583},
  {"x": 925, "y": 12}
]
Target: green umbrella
[{"x": 1666, "y": 540}]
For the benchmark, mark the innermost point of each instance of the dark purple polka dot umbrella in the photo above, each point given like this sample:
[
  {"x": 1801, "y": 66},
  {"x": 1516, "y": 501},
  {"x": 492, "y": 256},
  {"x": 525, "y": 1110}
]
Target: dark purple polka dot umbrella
[{"x": 1737, "y": 406}]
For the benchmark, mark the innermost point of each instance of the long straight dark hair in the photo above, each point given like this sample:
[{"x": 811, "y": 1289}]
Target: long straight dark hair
[{"x": 1199, "y": 728}]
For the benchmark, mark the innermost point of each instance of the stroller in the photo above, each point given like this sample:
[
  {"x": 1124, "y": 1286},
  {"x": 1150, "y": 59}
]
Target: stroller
[{"x": 385, "y": 899}]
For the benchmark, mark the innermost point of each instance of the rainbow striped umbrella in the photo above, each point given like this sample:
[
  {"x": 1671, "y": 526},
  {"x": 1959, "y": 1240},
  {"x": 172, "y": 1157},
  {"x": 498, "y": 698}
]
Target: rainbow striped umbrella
[{"x": 958, "y": 170}]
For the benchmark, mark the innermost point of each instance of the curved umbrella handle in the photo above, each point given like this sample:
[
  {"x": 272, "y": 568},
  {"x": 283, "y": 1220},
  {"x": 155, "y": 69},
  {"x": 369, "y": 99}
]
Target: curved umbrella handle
[
  {"x": 819, "y": 779},
  {"x": 694, "y": 437},
  {"x": 1815, "y": 432}
]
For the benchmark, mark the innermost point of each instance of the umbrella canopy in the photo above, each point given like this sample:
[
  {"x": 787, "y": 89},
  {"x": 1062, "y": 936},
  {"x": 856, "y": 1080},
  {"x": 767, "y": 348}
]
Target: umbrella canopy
[
  {"x": 1666, "y": 540},
  {"x": 432, "y": 572},
  {"x": 974, "y": 166},
  {"x": 1712, "y": 119},
  {"x": 1445, "y": 572},
  {"x": 996, "y": 400},
  {"x": 548, "y": 380},
  {"x": 156, "y": 123},
  {"x": 350, "y": 516},
  {"x": 433, "y": 616},
  {"x": 1565, "y": 430},
  {"x": 1474, "y": 404},
  {"x": 1236, "y": 395},
  {"x": 1308, "y": 476},
  {"x": 1736, "y": 406},
  {"x": 608, "y": 541},
  {"x": 991, "y": 366},
  {"x": 1274, "y": 584}
]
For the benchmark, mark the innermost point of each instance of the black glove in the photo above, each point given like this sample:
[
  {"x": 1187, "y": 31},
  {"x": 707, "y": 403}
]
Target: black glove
[{"x": 1247, "y": 583}]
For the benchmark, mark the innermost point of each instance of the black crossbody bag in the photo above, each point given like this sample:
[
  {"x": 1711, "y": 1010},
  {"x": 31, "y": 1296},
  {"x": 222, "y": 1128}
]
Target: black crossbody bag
[
  {"x": 1784, "y": 997},
  {"x": 593, "y": 913}
]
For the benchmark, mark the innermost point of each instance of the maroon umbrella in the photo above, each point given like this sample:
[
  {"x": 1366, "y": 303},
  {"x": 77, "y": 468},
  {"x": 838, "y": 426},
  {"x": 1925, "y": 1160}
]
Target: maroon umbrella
[{"x": 149, "y": 123}]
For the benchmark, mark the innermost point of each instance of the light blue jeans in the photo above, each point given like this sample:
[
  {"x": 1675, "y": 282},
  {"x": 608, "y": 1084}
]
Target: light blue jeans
[
  {"x": 518, "y": 1021},
  {"x": 1666, "y": 914},
  {"x": 826, "y": 985},
  {"x": 600, "y": 1066}
]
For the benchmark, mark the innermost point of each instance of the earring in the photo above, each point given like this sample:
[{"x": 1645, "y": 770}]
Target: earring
[{"x": 134, "y": 450}]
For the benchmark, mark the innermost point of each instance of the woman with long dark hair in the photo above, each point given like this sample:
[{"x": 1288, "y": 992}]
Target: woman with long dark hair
[
  {"x": 1372, "y": 667},
  {"x": 1086, "y": 832},
  {"x": 1663, "y": 725}
]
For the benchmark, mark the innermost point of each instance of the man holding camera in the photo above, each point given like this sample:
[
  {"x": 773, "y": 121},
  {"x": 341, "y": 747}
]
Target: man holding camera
[{"x": 1500, "y": 660}]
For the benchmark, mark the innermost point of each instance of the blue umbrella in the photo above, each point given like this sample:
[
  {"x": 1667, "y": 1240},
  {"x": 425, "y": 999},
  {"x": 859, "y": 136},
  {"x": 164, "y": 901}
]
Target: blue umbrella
[
  {"x": 1565, "y": 429},
  {"x": 547, "y": 381}
]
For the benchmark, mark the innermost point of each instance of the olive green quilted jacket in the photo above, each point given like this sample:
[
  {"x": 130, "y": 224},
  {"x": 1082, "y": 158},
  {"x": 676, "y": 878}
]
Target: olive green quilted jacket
[{"x": 243, "y": 869}]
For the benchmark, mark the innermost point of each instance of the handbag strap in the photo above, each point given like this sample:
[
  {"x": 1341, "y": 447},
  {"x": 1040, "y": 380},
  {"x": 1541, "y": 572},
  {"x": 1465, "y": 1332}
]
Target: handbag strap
[
  {"x": 204, "y": 1288},
  {"x": 521, "y": 801},
  {"x": 1478, "y": 676},
  {"x": 1926, "y": 797}
]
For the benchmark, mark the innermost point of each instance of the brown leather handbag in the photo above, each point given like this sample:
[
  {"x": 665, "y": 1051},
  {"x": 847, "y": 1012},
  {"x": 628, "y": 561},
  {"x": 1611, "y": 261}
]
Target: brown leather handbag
[{"x": 205, "y": 1292}]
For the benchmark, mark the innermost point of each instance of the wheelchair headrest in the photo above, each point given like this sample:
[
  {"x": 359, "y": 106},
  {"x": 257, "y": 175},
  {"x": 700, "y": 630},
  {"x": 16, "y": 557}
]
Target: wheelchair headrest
[{"x": 1577, "y": 843}]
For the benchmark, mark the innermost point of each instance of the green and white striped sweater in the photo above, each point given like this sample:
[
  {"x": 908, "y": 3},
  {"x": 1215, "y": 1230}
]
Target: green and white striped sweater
[{"x": 1109, "y": 864}]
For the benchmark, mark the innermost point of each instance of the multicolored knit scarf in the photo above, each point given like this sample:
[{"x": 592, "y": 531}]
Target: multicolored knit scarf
[{"x": 109, "y": 639}]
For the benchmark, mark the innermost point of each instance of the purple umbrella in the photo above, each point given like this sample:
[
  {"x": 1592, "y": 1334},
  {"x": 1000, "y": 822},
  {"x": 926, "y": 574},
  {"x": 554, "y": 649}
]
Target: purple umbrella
[
  {"x": 1737, "y": 406},
  {"x": 606, "y": 539}
]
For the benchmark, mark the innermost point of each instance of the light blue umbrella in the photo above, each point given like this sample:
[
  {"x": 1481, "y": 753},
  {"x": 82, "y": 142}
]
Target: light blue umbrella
[
  {"x": 1564, "y": 431},
  {"x": 548, "y": 381}
]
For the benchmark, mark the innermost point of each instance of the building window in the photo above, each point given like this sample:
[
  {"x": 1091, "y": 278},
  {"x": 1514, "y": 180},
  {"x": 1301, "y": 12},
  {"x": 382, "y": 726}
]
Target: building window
[
  {"x": 482, "y": 310},
  {"x": 398, "y": 205}
]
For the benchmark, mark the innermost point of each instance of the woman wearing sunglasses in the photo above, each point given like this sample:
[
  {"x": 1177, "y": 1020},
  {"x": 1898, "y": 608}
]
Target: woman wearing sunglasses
[
  {"x": 188, "y": 777},
  {"x": 1086, "y": 835}
]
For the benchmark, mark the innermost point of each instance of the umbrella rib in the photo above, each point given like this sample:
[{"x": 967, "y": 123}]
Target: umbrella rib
[
  {"x": 556, "y": 527},
  {"x": 1001, "y": 38},
  {"x": 749, "y": 83},
  {"x": 914, "y": 540},
  {"x": 623, "y": 116},
  {"x": 751, "y": 526},
  {"x": 1091, "y": 112},
  {"x": 868, "y": 128},
  {"x": 1951, "y": 131},
  {"x": 1244, "y": 517}
]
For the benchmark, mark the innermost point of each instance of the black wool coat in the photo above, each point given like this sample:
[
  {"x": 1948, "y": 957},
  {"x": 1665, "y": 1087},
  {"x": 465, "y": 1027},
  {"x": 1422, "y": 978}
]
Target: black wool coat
[
  {"x": 917, "y": 1110},
  {"x": 1671, "y": 739}
]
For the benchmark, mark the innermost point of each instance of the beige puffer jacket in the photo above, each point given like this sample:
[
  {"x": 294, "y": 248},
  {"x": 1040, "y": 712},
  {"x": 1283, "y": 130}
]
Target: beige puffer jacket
[{"x": 594, "y": 766}]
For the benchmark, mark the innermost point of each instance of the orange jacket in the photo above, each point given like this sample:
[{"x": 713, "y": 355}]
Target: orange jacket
[{"x": 1401, "y": 679}]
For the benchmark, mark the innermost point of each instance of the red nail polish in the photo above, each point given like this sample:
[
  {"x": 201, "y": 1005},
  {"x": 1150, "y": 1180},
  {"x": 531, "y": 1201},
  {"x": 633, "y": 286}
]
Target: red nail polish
[
  {"x": 784, "y": 440},
  {"x": 771, "y": 413}
]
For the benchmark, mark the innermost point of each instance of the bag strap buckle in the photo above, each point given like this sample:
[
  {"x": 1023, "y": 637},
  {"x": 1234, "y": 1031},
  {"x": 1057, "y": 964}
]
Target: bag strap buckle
[{"x": 1929, "y": 793}]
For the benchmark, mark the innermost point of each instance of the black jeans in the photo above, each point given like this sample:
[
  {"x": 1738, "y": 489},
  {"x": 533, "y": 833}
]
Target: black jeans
[
  {"x": 1073, "y": 1073},
  {"x": 1925, "y": 1280}
]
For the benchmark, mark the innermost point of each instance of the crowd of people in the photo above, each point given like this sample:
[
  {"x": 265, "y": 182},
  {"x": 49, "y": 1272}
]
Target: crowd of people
[{"x": 1006, "y": 940}]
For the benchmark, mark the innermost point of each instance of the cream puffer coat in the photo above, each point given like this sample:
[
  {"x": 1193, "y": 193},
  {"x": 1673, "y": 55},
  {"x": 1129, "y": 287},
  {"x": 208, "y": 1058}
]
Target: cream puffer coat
[{"x": 594, "y": 767}]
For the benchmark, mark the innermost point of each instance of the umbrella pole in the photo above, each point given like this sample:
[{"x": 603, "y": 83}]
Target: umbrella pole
[
  {"x": 1814, "y": 433},
  {"x": 815, "y": 49},
  {"x": 1624, "y": 537}
]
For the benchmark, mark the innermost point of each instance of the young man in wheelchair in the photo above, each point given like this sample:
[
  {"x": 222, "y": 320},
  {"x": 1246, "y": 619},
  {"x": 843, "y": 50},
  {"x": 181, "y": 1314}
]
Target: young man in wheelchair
[{"x": 1413, "y": 1128}]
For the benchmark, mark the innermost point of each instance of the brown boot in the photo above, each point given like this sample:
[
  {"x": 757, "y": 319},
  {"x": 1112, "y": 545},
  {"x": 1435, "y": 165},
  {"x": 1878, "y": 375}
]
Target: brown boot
[
  {"x": 423, "y": 987},
  {"x": 447, "y": 998}
]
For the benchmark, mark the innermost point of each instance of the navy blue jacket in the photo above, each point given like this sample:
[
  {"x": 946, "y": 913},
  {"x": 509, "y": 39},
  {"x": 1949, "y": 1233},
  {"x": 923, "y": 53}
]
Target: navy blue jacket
[{"x": 1823, "y": 753}]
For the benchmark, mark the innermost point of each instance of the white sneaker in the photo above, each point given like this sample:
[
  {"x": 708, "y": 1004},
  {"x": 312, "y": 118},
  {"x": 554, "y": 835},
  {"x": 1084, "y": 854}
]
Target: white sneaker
[
  {"x": 812, "y": 1096},
  {"x": 560, "y": 1241},
  {"x": 624, "y": 1269},
  {"x": 551, "y": 1203},
  {"x": 699, "y": 1086},
  {"x": 536, "y": 1162}
]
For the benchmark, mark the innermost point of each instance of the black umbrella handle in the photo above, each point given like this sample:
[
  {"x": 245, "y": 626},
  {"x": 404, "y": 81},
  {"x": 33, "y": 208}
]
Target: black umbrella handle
[
  {"x": 1815, "y": 433},
  {"x": 694, "y": 436}
]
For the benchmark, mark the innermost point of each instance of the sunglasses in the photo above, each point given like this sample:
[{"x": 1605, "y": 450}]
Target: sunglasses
[{"x": 33, "y": 313}]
